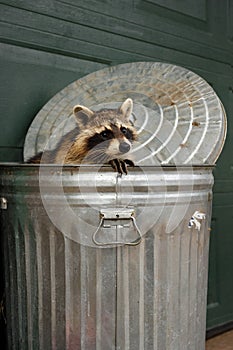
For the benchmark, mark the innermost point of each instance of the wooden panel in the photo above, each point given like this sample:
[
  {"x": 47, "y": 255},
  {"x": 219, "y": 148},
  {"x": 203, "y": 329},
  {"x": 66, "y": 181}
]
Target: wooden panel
[
  {"x": 220, "y": 298},
  {"x": 229, "y": 20},
  {"x": 195, "y": 9},
  {"x": 29, "y": 78},
  {"x": 106, "y": 27}
]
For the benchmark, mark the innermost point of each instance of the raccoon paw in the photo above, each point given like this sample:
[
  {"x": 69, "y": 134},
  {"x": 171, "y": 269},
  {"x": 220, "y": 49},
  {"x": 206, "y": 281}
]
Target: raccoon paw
[{"x": 121, "y": 165}]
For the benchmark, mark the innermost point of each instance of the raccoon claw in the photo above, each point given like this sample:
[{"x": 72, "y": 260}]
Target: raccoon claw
[
  {"x": 129, "y": 162},
  {"x": 121, "y": 165},
  {"x": 118, "y": 165}
]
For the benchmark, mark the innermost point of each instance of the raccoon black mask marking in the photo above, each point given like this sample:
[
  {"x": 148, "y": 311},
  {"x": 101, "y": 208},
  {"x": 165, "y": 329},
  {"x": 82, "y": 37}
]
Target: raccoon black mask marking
[{"x": 105, "y": 136}]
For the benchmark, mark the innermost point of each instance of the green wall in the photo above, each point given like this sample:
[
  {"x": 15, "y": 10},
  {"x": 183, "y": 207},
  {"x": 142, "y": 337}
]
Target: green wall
[{"x": 47, "y": 44}]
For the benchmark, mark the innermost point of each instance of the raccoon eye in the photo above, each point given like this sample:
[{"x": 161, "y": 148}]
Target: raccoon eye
[
  {"x": 124, "y": 130},
  {"x": 105, "y": 134},
  {"x": 127, "y": 132}
]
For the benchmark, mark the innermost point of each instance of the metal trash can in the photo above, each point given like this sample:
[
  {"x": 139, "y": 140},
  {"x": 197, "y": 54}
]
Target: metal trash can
[{"x": 98, "y": 261}]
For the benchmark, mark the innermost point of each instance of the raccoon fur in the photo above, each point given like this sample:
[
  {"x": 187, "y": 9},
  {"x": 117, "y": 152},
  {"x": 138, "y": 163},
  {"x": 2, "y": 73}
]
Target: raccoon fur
[{"x": 105, "y": 136}]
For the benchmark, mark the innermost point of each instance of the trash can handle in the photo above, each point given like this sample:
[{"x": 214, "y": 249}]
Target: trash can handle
[{"x": 117, "y": 214}]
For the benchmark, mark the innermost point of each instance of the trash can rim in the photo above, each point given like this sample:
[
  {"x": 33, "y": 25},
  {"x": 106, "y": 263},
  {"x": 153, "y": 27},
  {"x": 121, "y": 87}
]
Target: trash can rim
[{"x": 104, "y": 166}]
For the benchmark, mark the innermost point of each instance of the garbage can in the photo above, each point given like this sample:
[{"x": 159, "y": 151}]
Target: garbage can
[{"x": 94, "y": 260}]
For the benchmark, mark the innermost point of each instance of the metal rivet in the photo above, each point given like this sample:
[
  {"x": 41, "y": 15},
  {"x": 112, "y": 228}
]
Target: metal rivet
[{"x": 3, "y": 203}]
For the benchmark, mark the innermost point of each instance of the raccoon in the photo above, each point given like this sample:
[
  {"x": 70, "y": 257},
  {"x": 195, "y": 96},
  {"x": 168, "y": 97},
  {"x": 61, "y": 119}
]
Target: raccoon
[{"x": 105, "y": 136}]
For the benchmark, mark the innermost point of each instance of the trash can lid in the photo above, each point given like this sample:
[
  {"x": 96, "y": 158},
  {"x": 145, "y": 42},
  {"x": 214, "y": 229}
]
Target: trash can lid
[{"x": 179, "y": 117}]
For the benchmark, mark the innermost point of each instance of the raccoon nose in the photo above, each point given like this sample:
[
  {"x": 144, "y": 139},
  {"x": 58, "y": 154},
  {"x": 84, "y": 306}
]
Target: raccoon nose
[{"x": 124, "y": 147}]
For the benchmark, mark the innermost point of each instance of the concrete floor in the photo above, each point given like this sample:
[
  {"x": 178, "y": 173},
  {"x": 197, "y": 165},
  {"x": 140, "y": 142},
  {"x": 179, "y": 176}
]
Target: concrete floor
[{"x": 221, "y": 342}]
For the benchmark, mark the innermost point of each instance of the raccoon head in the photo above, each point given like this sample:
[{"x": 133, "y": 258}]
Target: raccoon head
[{"x": 106, "y": 134}]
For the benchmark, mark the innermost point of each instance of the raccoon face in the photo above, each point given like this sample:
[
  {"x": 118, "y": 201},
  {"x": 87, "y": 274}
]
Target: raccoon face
[
  {"x": 115, "y": 140},
  {"x": 106, "y": 134}
]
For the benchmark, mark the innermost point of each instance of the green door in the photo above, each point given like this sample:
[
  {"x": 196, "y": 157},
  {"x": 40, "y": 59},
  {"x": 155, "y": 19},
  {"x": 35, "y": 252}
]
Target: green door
[{"x": 46, "y": 44}]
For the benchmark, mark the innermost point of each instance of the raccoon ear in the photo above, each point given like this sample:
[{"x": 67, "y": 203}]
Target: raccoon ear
[
  {"x": 126, "y": 108},
  {"x": 82, "y": 115}
]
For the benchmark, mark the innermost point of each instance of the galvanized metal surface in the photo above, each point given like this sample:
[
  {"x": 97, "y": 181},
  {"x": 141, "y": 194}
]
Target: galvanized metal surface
[
  {"x": 178, "y": 115},
  {"x": 65, "y": 293}
]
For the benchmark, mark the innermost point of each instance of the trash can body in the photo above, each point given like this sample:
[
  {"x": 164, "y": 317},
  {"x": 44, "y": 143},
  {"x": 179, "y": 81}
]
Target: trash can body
[{"x": 63, "y": 291}]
